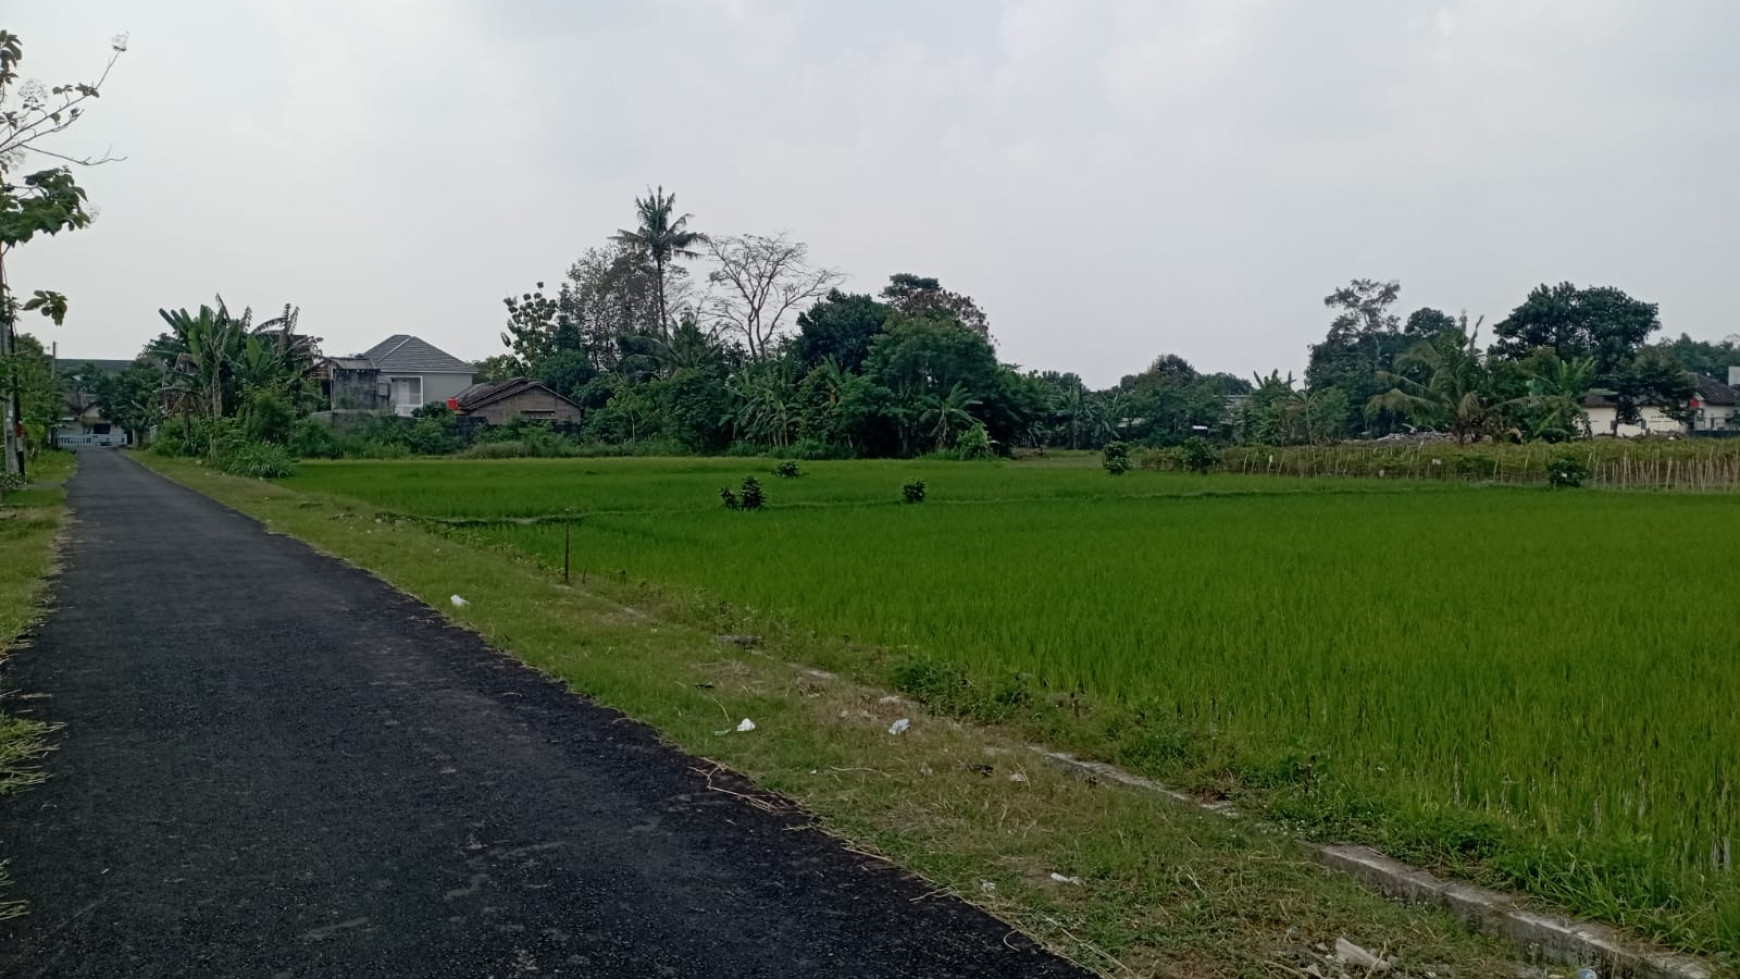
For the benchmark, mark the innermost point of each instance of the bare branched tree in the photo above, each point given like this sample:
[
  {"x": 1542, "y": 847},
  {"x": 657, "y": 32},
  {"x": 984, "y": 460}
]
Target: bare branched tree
[{"x": 763, "y": 279}]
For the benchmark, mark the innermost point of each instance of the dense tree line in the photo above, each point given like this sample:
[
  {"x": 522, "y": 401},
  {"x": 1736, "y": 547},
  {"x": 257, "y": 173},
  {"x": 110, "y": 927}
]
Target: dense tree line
[
  {"x": 653, "y": 353},
  {"x": 674, "y": 340}
]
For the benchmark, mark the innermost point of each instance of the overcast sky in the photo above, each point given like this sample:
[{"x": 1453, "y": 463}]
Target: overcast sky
[{"x": 1110, "y": 180}]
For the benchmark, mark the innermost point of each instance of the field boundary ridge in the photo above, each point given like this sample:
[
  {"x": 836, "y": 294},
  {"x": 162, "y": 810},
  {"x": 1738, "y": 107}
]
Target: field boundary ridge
[{"x": 1561, "y": 939}]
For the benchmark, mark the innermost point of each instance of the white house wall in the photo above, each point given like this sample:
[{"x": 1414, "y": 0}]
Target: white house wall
[{"x": 1601, "y": 422}]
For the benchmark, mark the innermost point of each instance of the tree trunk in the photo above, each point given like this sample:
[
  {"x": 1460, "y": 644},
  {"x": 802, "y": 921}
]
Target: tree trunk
[
  {"x": 659, "y": 288},
  {"x": 11, "y": 411}
]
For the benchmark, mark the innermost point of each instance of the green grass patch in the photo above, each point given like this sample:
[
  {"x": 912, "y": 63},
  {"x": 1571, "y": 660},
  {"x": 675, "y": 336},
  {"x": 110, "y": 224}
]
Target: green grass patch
[
  {"x": 1165, "y": 891},
  {"x": 30, "y": 520},
  {"x": 1532, "y": 688}
]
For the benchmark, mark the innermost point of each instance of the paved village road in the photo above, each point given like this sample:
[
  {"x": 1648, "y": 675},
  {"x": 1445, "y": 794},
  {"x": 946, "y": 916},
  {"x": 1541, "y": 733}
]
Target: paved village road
[{"x": 274, "y": 765}]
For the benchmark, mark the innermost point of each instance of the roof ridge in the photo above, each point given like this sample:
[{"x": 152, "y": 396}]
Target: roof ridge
[{"x": 407, "y": 338}]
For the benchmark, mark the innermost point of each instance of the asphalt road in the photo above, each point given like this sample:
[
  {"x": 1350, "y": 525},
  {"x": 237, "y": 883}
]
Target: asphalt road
[{"x": 274, "y": 765}]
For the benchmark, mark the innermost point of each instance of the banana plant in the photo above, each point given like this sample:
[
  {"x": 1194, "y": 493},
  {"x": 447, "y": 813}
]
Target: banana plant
[
  {"x": 948, "y": 414},
  {"x": 213, "y": 344}
]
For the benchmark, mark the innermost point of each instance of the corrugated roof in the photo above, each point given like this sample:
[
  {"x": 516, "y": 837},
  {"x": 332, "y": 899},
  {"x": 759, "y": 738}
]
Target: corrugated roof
[
  {"x": 403, "y": 353},
  {"x": 479, "y": 395}
]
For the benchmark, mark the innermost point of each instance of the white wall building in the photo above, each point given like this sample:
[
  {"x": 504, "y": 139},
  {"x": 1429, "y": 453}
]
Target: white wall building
[{"x": 1714, "y": 408}]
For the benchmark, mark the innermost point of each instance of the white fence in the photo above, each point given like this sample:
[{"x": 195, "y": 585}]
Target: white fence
[{"x": 65, "y": 440}]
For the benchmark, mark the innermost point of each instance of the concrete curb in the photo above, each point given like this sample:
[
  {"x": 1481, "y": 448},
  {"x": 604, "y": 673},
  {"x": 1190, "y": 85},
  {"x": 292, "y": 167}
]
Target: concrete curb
[{"x": 1551, "y": 937}]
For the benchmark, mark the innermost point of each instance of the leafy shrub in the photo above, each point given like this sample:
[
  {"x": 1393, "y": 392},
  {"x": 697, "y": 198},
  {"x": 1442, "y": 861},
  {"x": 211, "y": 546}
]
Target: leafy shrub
[
  {"x": 169, "y": 442},
  {"x": 310, "y": 439},
  {"x": 752, "y": 498},
  {"x": 1197, "y": 455},
  {"x": 976, "y": 443},
  {"x": 913, "y": 492},
  {"x": 787, "y": 470},
  {"x": 266, "y": 415},
  {"x": 1115, "y": 457},
  {"x": 433, "y": 436},
  {"x": 258, "y": 460},
  {"x": 749, "y": 497},
  {"x": 1567, "y": 470},
  {"x": 934, "y": 682}
]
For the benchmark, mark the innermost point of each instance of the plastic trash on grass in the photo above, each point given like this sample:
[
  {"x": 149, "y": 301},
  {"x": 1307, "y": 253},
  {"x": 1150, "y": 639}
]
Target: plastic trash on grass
[{"x": 900, "y": 726}]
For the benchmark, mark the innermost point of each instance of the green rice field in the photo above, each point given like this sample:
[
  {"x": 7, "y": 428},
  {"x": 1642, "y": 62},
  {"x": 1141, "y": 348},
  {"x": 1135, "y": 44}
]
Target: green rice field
[{"x": 1534, "y": 687}]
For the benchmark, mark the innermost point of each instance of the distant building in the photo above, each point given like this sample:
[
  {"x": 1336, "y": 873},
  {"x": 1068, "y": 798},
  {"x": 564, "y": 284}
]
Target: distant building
[
  {"x": 500, "y": 402},
  {"x": 83, "y": 422},
  {"x": 1715, "y": 409},
  {"x": 400, "y": 374}
]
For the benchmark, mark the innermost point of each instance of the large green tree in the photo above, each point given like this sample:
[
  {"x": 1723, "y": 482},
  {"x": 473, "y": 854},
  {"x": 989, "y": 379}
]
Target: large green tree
[
  {"x": 1600, "y": 322},
  {"x": 132, "y": 398},
  {"x": 839, "y": 328},
  {"x": 922, "y": 360},
  {"x": 1710, "y": 358},
  {"x": 538, "y": 328},
  {"x": 1365, "y": 338},
  {"x": 1174, "y": 401},
  {"x": 923, "y": 296}
]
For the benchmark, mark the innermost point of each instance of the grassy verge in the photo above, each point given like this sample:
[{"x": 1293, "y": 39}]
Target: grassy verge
[
  {"x": 30, "y": 520},
  {"x": 1162, "y": 891}
]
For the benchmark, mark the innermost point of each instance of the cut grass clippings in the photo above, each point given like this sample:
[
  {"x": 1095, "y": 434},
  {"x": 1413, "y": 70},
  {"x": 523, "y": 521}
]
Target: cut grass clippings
[
  {"x": 1163, "y": 891},
  {"x": 30, "y": 522}
]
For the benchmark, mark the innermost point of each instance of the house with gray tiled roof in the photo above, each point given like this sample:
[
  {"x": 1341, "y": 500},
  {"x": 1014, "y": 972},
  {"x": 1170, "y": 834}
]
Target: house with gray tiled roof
[{"x": 400, "y": 374}]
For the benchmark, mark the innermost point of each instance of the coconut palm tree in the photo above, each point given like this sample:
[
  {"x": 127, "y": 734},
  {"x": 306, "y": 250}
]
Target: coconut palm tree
[
  {"x": 1455, "y": 394},
  {"x": 662, "y": 238},
  {"x": 1557, "y": 392}
]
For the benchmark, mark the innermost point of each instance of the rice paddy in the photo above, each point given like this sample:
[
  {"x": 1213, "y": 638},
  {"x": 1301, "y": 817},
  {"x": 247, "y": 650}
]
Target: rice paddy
[{"x": 1532, "y": 686}]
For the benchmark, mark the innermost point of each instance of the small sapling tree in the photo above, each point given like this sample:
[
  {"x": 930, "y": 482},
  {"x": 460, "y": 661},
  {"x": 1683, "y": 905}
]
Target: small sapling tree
[
  {"x": 1116, "y": 458},
  {"x": 1197, "y": 455}
]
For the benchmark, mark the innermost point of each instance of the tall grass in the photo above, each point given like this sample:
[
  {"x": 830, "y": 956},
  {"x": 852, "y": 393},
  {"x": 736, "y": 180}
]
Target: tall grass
[
  {"x": 1682, "y": 464},
  {"x": 1538, "y": 686}
]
